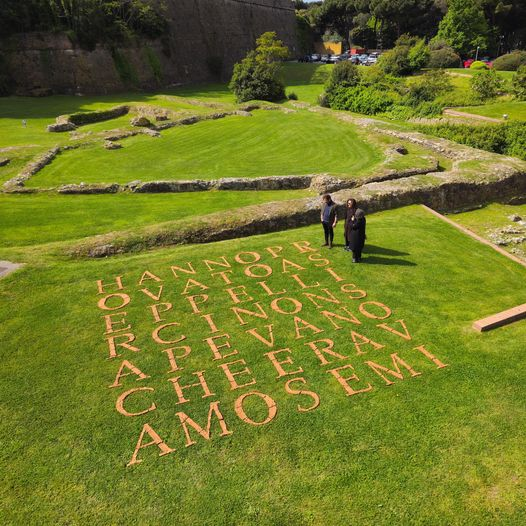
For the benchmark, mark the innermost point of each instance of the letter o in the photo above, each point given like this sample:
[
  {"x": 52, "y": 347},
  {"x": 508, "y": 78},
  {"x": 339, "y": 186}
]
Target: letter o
[
  {"x": 365, "y": 312},
  {"x": 271, "y": 406},
  {"x": 275, "y": 305},
  {"x": 249, "y": 271},
  {"x": 119, "y": 404},
  {"x": 124, "y": 297},
  {"x": 239, "y": 259},
  {"x": 158, "y": 339}
]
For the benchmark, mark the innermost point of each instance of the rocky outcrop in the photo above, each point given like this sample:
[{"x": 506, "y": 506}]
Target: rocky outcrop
[
  {"x": 65, "y": 123},
  {"x": 140, "y": 121},
  {"x": 111, "y": 145},
  {"x": 200, "y": 32},
  {"x": 88, "y": 189},
  {"x": 32, "y": 168}
]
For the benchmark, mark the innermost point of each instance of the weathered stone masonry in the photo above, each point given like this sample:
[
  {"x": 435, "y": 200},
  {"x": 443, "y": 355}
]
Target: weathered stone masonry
[{"x": 200, "y": 30}]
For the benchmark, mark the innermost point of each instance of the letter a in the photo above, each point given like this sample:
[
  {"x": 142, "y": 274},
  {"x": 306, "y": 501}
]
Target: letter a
[{"x": 156, "y": 441}]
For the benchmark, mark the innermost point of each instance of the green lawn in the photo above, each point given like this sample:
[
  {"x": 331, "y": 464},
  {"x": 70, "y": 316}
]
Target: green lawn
[
  {"x": 490, "y": 219},
  {"x": 267, "y": 143},
  {"x": 506, "y": 75},
  {"x": 515, "y": 110},
  {"x": 306, "y": 80},
  {"x": 43, "y": 218},
  {"x": 444, "y": 447}
]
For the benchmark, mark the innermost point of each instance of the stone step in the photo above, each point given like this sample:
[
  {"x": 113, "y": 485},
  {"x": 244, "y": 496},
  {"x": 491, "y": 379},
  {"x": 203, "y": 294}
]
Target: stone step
[{"x": 501, "y": 318}]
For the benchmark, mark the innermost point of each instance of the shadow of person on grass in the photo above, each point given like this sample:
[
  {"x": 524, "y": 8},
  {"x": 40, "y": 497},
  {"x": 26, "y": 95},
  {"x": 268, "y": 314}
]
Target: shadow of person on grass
[
  {"x": 375, "y": 260},
  {"x": 372, "y": 256},
  {"x": 373, "y": 249}
]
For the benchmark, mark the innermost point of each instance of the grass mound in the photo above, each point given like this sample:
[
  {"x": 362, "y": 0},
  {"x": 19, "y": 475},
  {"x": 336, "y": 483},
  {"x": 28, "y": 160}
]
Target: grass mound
[{"x": 268, "y": 143}]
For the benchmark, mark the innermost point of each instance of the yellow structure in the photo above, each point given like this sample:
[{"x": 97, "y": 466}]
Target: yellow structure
[{"x": 328, "y": 48}]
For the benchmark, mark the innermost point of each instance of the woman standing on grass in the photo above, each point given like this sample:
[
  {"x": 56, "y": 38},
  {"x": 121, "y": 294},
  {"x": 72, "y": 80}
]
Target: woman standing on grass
[
  {"x": 328, "y": 219},
  {"x": 355, "y": 224}
]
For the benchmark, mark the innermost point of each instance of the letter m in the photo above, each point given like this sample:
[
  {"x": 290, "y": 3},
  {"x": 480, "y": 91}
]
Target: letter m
[
  {"x": 205, "y": 433},
  {"x": 395, "y": 372}
]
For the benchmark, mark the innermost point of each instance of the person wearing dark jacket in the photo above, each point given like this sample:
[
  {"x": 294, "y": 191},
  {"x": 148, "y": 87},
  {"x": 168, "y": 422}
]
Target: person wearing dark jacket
[
  {"x": 329, "y": 219},
  {"x": 355, "y": 224}
]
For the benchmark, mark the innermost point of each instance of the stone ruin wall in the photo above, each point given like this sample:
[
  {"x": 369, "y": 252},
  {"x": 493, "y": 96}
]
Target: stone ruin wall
[{"x": 200, "y": 30}]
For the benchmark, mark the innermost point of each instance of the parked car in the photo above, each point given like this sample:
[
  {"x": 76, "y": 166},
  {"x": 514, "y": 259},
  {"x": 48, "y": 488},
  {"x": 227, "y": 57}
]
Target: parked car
[
  {"x": 315, "y": 57},
  {"x": 371, "y": 60},
  {"x": 305, "y": 58},
  {"x": 332, "y": 59}
]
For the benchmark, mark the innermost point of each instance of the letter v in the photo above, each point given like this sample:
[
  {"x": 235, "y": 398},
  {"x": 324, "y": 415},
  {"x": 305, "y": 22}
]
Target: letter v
[
  {"x": 405, "y": 335},
  {"x": 153, "y": 296},
  {"x": 270, "y": 341}
]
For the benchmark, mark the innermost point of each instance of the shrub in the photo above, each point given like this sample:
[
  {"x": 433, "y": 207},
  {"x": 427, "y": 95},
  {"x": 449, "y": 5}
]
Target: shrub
[
  {"x": 257, "y": 75},
  {"x": 292, "y": 96},
  {"x": 418, "y": 55},
  {"x": 486, "y": 84},
  {"x": 256, "y": 80},
  {"x": 427, "y": 87},
  {"x": 343, "y": 75},
  {"x": 518, "y": 83},
  {"x": 510, "y": 62},
  {"x": 443, "y": 58},
  {"x": 396, "y": 61},
  {"x": 508, "y": 139},
  {"x": 478, "y": 65},
  {"x": 361, "y": 99}
]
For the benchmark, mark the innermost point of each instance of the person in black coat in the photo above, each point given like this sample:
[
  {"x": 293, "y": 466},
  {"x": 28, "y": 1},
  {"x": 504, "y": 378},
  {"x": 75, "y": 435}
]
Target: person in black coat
[{"x": 355, "y": 224}]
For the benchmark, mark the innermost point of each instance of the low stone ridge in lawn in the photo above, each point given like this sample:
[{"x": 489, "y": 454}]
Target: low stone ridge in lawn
[{"x": 6, "y": 267}]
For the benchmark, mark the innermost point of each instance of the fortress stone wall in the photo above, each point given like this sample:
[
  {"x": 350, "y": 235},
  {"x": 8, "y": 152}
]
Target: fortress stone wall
[{"x": 203, "y": 34}]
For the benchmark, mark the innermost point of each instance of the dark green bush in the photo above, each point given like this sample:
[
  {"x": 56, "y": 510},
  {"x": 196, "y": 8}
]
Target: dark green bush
[
  {"x": 253, "y": 79},
  {"x": 507, "y": 139},
  {"x": 511, "y": 61},
  {"x": 427, "y": 87},
  {"x": 361, "y": 99},
  {"x": 292, "y": 96},
  {"x": 343, "y": 75},
  {"x": 518, "y": 83},
  {"x": 443, "y": 58},
  {"x": 486, "y": 84},
  {"x": 396, "y": 61},
  {"x": 419, "y": 56}
]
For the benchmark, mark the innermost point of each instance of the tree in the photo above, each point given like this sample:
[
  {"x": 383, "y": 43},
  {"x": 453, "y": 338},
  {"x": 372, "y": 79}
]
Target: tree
[
  {"x": 486, "y": 84},
  {"x": 257, "y": 75},
  {"x": 464, "y": 27},
  {"x": 419, "y": 55}
]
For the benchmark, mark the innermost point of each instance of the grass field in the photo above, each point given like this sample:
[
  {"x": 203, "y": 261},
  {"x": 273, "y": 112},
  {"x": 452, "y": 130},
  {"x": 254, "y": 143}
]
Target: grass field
[
  {"x": 44, "y": 218},
  {"x": 443, "y": 447},
  {"x": 515, "y": 110},
  {"x": 489, "y": 220},
  {"x": 268, "y": 143}
]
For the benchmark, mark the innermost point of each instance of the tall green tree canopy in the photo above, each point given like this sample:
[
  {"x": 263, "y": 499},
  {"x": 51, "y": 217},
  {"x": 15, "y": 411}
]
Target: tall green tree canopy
[{"x": 464, "y": 27}]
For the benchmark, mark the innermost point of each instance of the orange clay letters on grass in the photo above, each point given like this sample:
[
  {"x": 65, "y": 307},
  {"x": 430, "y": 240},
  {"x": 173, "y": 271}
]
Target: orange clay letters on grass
[{"x": 285, "y": 319}]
